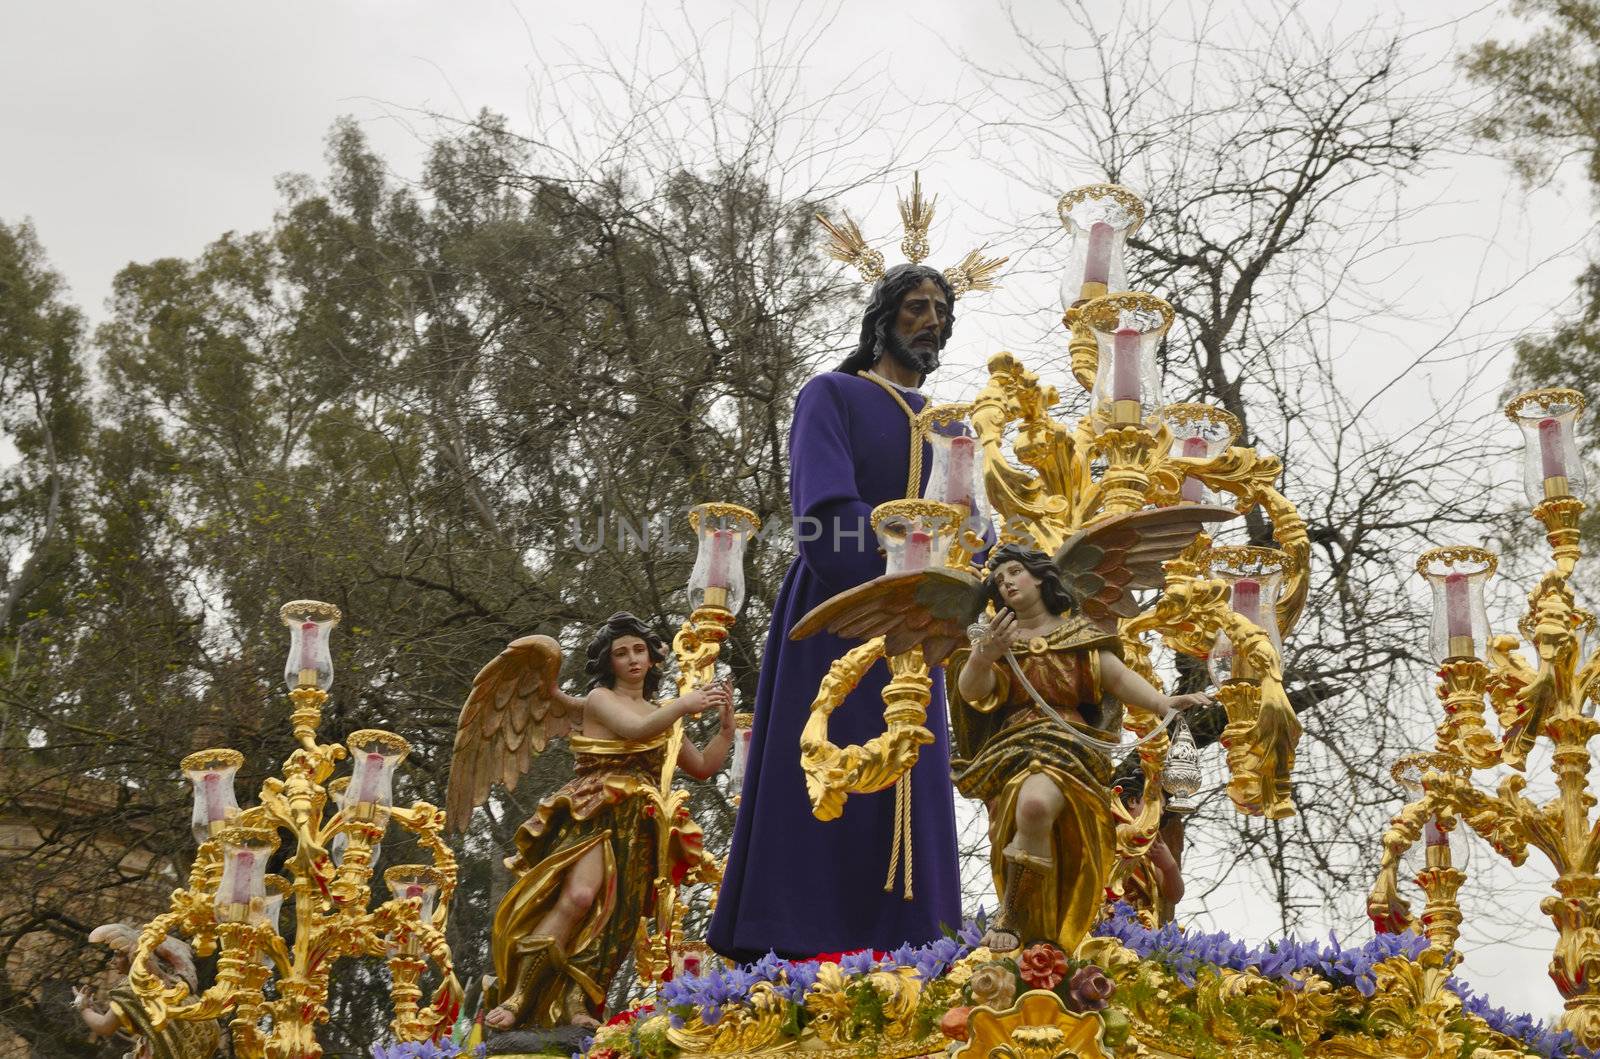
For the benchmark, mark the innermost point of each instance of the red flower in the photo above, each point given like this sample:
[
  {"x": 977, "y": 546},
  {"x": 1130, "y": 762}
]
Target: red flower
[
  {"x": 624, "y": 1017},
  {"x": 1042, "y": 966}
]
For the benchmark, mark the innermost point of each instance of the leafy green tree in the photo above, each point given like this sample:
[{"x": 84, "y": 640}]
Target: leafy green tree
[
  {"x": 1543, "y": 109},
  {"x": 465, "y": 410}
]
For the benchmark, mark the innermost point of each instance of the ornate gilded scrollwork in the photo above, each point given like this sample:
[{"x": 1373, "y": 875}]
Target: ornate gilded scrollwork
[
  {"x": 1037, "y": 1026},
  {"x": 833, "y": 773}
]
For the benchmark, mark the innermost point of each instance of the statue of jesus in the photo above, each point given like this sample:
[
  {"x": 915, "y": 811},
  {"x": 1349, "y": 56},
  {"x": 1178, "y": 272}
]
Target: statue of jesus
[{"x": 795, "y": 885}]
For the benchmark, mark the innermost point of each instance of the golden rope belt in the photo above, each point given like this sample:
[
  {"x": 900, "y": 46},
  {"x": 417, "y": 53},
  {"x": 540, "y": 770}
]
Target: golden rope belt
[{"x": 902, "y": 786}]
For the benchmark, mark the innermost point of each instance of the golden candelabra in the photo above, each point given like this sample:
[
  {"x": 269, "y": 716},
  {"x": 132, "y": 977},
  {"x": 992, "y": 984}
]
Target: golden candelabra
[
  {"x": 1547, "y": 695},
  {"x": 1129, "y": 452},
  {"x": 716, "y": 591},
  {"x": 230, "y": 906}
]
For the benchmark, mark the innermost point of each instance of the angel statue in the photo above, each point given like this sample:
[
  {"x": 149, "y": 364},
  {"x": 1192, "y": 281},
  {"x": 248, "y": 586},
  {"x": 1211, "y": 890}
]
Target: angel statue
[
  {"x": 1035, "y": 698},
  {"x": 586, "y": 858},
  {"x": 172, "y": 961}
]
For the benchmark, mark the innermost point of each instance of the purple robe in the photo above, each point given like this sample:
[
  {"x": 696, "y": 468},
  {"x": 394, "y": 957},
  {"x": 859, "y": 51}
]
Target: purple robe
[{"x": 795, "y": 885}]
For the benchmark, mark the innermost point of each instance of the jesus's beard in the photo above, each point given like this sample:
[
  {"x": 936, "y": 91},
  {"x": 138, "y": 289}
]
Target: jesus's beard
[{"x": 921, "y": 361}]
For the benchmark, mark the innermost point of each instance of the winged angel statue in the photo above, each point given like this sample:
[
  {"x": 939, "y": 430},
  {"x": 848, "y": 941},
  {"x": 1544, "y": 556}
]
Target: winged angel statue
[
  {"x": 1036, "y": 695},
  {"x": 586, "y": 860}
]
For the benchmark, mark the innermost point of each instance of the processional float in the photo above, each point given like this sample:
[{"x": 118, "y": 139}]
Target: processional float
[{"x": 1048, "y": 483}]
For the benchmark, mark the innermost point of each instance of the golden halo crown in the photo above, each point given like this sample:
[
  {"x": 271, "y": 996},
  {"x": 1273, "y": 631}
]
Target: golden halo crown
[{"x": 846, "y": 244}]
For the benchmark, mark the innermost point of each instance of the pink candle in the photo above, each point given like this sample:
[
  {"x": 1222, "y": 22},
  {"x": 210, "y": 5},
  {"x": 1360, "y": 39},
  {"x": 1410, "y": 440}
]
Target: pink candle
[
  {"x": 211, "y": 790},
  {"x": 1097, "y": 265},
  {"x": 1551, "y": 456},
  {"x": 717, "y": 570},
  {"x": 1125, "y": 365},
  {"x": 1432, "y": 836},
  {"x": 1194, "y": 491},
  {"x": 413, "y": 890},
  {"x": 308, "y": 645},
  {"x": 244, "y": 863},
  {"x": 369, "y": 780},
  {"x": 1247, "y": 599},
  {"x": 958, "y": 476},
  {"x": 1457, "y": 606},
  {"x": 919, "y": 550}
]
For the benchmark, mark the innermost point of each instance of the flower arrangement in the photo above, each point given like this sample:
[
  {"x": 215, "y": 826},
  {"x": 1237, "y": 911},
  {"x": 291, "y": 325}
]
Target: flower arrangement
[
  {"x": 443, "y": 1048},
  {"x": 1287, "y": 996}
]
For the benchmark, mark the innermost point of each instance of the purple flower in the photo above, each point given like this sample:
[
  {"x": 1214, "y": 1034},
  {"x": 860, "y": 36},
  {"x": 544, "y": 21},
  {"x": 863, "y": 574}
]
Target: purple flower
[
  {"x": 766, "y": 969},
  {"x": 798, "y": 978},
  {"x": 446, "y": 1048},
  {"x": 858, "y": 963}
]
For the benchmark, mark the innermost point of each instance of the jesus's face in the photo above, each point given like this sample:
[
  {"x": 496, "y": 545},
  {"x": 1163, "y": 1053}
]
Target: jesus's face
[{"x": 919, "y": 327}]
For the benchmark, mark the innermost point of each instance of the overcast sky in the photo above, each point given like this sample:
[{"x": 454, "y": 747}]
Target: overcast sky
[{"x": 135, "y": 131}]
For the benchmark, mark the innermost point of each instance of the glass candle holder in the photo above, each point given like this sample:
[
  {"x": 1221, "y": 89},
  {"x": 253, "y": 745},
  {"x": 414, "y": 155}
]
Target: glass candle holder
[
  {"x": 1099, "y": 218},
  {"x": 241, "y": 895},
  {"x": 915, "y": 534},
  {"x": 418, "y": 882},
  {"x": 1444, "y": 848},
  {"x": 1255, "y": 581},
  {"x": 374, "y": 754},
  {"x": 277, "y": 888},
  {"x": 955, "y": 467},
  {"x": 341, "y": 839},
  {"x": 1583, "y": 626},
  {"x": 310, "y": 663},
  {"x": 271, "y": 914},
  {"x": 211, "y": 773},
  {"x": 1551, "y": 465},
  {"x": 1457, "y": 575},
  {"x": 1128, "y": 328},
  {"x": 1199, "y": 432},
  {"x": 721, "y": 533}
]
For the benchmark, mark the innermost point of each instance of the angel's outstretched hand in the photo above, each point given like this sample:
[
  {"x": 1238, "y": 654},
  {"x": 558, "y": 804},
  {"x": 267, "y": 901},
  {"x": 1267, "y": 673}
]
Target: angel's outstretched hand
[
  {"x": 706, "y": 697},
  {"x": 1189, "y": 702},
  {"x": 1002, "y": 635}
]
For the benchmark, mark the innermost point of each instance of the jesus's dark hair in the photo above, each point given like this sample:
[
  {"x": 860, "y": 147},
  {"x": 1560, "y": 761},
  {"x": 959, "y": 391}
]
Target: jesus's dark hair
[
  {"x": 597, "y": 664},
  {"x": 877, "y": 322},
  {"x": 1051, "y": 588}
]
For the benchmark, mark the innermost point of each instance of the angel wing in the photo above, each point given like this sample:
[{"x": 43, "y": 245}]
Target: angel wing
[
  {"x": 931, "y": 608},
  {"x": 514, "y": 709},
  {"x": 1103, "y": 563}
]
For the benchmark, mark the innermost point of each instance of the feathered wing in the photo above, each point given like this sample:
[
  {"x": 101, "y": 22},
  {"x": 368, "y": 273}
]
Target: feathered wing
[
  {"x": 928, "y": 608},
  {"x": 515, "y": 708},
  {"x": 1104, "y": 563}
]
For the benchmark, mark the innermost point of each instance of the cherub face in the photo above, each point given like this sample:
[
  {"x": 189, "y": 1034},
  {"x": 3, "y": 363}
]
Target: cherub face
[
  {"x": 630, "y": 659},
  {"x": 1016, "y": 587}
]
